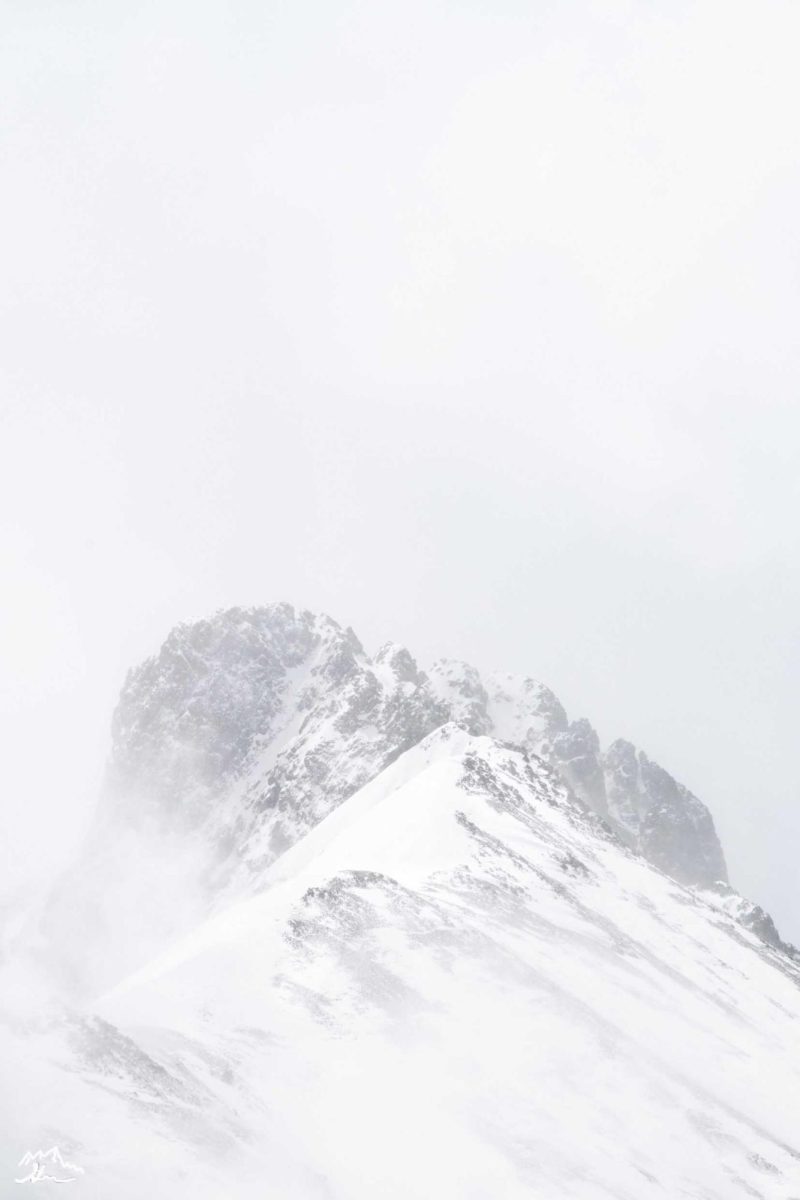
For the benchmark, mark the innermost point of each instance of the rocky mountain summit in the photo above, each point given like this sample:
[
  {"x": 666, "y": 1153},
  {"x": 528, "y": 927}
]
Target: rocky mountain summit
[
  {"x": 276, "y": 715},
  {"x": 287, "y": 710},
  {"x": 249, "y": 728},
  {"x": 261, "y": 721}
]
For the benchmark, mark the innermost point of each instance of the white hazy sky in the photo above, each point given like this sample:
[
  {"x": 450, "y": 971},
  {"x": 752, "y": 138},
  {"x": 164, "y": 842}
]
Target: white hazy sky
[{"x": 474, "y": 324}]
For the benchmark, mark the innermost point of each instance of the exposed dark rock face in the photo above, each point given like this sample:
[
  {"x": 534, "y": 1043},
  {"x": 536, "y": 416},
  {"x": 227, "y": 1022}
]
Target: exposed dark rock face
[
  {"x": 669, "y": 825},
  {"x": 188, "y": 718},
  {"x": 577, "y": 753},
  {"x": 623, "y": 792},
  {"x": 677, "y": 833}
]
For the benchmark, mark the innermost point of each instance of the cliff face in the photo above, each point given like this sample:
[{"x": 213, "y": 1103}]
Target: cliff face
[{"x": 668, "y": 825}]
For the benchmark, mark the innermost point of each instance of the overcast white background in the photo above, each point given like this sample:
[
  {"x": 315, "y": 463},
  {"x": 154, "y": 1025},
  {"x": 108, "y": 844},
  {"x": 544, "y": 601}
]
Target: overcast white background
[{"x": 473, "y": 324}]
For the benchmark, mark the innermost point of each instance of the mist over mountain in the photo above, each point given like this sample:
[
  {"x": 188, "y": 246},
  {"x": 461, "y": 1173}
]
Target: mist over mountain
[
  {"x": 345, "y": 926},
  {"x": 247, "y": 729}
]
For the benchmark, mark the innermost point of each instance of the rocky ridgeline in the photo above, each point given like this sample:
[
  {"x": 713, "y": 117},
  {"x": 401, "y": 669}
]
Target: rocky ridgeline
[
  {"x": 286, "y": 710},
  {"x": 248, "y": 728},
  {"x": 646, "y": 807}
]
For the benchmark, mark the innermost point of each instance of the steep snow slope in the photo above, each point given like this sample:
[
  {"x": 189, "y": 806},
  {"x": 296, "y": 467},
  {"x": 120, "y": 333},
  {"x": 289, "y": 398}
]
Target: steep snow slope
[
  {"x": 249, "y": 728},
  {"x": 459, "y": 984}
]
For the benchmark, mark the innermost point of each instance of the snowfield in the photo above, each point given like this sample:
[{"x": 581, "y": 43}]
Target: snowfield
[{"x": 459, "y": 984}]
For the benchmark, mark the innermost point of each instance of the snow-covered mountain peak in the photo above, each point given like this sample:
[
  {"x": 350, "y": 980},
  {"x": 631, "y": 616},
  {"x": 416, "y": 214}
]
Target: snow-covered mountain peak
[
  {"x": 247, "y": 729},
  {"x": 363, "y": 929}
]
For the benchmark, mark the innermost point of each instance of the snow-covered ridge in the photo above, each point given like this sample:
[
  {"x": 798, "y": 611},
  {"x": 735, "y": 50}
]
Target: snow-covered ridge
[
  {"x": 459, "y": 983},
  {"x": 247, "y": 729}
]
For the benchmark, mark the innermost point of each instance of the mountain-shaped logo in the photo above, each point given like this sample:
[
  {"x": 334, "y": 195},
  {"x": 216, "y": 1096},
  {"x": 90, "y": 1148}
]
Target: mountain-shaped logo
[{"x": 48, "y": 1166}]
